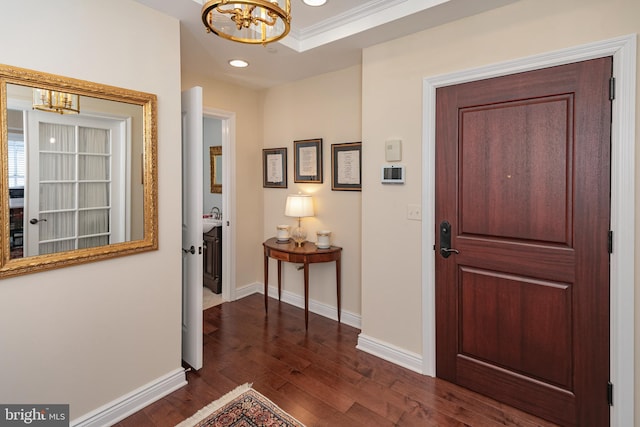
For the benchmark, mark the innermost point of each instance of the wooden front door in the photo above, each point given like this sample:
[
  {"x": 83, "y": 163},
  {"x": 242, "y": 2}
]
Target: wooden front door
[{"x": 522, "y": 297}]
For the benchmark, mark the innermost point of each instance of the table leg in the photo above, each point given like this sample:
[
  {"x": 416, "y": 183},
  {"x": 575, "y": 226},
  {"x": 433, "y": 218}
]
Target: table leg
[
  {"x": 266, "y": 283},
  {"x": 338, "y": 274},
  {"x": 306, "y": 295},
  {"x": 279, "y": 279}
]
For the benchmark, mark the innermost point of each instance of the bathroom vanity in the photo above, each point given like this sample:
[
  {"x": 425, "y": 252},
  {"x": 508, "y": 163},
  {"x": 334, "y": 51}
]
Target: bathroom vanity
[{"x": 212, "y": 268}]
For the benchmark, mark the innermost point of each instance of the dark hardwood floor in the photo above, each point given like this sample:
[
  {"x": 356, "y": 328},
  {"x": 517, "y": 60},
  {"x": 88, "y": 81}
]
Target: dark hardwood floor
[{"x": 317, "y": 376}]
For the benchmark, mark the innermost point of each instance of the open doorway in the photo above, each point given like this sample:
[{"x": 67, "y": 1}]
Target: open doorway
[
  {"x": 193, "y": 114},
  {"x": 212, "y": 212},
  {"x": 224, "y": 125}
]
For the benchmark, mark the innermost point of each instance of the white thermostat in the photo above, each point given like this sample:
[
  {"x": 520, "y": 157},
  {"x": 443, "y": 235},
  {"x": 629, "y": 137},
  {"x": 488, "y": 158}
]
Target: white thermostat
[
  {"x": 393, "y": 174},
  {"x": 393, "y": 150}
]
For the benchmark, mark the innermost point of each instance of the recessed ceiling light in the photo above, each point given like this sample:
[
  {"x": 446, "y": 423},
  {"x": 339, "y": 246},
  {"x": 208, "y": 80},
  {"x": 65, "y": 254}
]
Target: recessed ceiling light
[
  {"x": 314, "y": 2},
  {"x": 238, "y": 63}
]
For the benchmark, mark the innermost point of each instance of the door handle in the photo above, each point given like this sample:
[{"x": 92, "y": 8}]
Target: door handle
[
  {"x": 446, "y": 252},
  {"x": 445, "y": 240},
  {"x": 36, "y": 220},
  {"x": 191, "y": 250}
]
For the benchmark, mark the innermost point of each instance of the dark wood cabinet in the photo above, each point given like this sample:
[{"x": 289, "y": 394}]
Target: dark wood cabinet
[
  {"x": 16, "y": 232},
  {"x": 212, "y": 259}
]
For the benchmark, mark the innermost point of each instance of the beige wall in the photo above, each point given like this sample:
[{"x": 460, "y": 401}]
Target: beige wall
[
  {"x": 90, "y": 334},
  {"x": 393, "y": 72},
  {"x": 326, "y": 107},
  {"x": 247, "y": 171}
]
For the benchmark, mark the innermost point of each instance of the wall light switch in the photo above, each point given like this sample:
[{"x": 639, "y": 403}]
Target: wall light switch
[
  {"x": 414, "y": 212},
  {"x": 393, "y": 150}
]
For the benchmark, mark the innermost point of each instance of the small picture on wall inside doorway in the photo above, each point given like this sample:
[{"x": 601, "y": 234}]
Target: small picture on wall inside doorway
[
  {"x": 274, "y": 168},
  {"x": 215, "y": 157}
]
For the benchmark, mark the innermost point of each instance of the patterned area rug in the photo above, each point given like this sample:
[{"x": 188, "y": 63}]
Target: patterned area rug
[{"x": 242, "y": 407}]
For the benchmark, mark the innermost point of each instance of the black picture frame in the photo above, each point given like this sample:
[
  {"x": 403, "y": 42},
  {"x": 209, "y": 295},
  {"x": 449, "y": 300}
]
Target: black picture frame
[
  {"x": 307, "y": 161},
  {"x": 274, "y": 166},
  {"x": 346, "y": 166}
]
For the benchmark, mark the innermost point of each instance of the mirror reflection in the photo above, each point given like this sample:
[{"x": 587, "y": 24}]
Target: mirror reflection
[
  {"x": 215, "y": 154},
  {"x": 77, "y": 165}
]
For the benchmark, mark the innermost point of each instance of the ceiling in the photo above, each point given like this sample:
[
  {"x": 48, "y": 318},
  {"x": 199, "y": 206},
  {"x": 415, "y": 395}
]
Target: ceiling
[{"x": 322, "y": 39}]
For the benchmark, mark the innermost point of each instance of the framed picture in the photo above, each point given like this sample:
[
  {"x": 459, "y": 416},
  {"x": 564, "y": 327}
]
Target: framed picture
[
  {"x": 346, "y": 166},
  {"x": 215, "y": 164},
  {"x": 307, "y": 161},
  {"x": 274, "y": 167}
]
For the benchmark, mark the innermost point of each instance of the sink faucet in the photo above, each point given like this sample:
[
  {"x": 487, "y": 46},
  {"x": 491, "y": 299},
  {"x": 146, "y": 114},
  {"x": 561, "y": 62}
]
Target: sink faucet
[{"x": 216, "y": 213}]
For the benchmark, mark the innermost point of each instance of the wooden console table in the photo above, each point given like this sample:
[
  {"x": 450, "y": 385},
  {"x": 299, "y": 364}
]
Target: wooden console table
[{"x": 307, "y": 254}]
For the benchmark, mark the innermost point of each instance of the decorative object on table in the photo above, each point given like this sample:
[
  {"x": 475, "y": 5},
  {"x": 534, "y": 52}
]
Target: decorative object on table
[
  {"x": 307, "y": 161},
  {"x": 274, "y": 168},
  {"x": 346, "y": 166},
  {"x": 215, "y": 164},
  {"x": 283, "y": 233},
  {"x": 323, "y": 240},
  {"x": 298, "y": 206},
  {"x": 242, "y": 406},
  {"x": 248, "y": 21}
]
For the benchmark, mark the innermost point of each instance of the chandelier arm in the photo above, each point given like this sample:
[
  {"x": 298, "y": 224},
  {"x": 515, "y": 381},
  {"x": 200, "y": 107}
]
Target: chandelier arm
[
  {"x": 263, "y": 20},
  {"x": 243, "y": 18}
]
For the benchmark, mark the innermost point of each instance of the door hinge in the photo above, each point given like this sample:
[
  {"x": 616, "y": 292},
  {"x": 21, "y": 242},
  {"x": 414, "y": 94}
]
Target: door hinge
[
  {"x": 610, "y": 242},
  {"x": 612, "y": 88},
  {"x": 610, "y": 393}
]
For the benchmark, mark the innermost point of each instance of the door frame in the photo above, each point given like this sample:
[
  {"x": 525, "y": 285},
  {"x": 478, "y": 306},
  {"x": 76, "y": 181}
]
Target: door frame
[
  {"x": 228, "y": 120},
  {"x": 623, "y": 50}
]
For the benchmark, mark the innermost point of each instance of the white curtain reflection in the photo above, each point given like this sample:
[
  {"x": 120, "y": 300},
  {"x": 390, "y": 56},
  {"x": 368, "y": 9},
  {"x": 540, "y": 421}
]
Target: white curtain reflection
[{"x": 74, "y": 187}]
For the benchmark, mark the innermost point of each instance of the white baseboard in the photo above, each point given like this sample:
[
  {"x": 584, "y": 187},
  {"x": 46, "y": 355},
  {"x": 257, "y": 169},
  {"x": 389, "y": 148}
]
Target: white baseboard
[
  {"x": 325, "y": 310},
  {"x": 247, "y": 290},
  {"x": 390, "y": 353},
  {"x": 128, "y": 404}
]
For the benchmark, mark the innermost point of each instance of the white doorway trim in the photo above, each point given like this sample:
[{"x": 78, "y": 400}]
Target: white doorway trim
[
  {"x": 228, "y": 120},
  {"x": 622, "y": 308}
]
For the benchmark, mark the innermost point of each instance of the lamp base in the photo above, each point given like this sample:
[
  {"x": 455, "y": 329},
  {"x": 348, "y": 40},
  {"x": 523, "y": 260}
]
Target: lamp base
[{"x": 299, "y": 235}]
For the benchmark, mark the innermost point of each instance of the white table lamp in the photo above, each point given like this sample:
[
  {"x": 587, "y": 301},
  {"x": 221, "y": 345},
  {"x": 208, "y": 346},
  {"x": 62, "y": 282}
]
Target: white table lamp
[{"x": 299, "y": 205}]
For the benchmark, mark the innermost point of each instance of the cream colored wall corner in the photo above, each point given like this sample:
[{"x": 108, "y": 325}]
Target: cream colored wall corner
[
  {"x": 327, "y": 107},
  {"x": 88, "y": 335},
  {"x": 247, "y": 176},
  {"x": 392, "y": 107}
]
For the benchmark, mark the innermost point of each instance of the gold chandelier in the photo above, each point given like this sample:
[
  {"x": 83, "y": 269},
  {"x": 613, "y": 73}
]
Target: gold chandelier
[
  {"x": 55, "y": 101},
  {"x": 248, "y": 21}
]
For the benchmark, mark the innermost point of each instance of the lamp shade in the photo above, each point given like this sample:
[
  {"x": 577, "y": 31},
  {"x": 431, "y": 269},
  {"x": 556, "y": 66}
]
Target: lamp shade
[{"x": 299, "y": 205}]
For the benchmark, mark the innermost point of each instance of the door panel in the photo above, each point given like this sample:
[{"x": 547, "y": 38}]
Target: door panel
[
  {"x": 520, "y": 166},
  {"x": 75, "y": 182},
  {"x": 192, "y": 227},
  {"x": 522, "y": 176},
  {"x": 514, "y": 307}
]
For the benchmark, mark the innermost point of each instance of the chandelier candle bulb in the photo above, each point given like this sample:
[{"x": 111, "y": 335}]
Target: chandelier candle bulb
[{"x": 323, "y": 241}]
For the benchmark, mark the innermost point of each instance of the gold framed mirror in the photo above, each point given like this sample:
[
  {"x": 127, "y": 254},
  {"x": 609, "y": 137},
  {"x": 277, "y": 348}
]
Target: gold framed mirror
[
  {"x": 215, "y": 160},
  {"x": 79, "y": 171}
]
